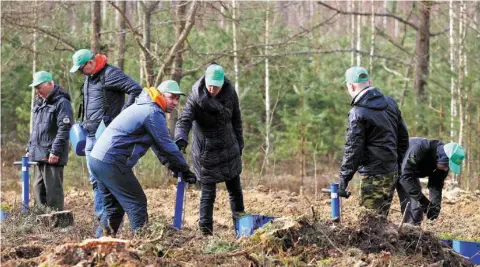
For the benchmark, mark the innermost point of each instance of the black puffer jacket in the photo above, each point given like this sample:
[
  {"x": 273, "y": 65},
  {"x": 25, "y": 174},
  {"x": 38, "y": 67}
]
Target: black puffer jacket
[
  {"x": 377, "y": 137},
  {"x": 52, "y": 120},
  {"x": 421, "y": 161},
  {"x": 217, "y": 132},
  {"x": 112, "y": 83}
]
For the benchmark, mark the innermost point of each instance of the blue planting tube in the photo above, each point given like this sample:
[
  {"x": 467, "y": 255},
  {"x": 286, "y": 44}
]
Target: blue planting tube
[
  {"x": 335, "y": 201},
  {"x": 25, "y": 180},
  {"x": 25, "y": 184},
  {"x": 177, "y": 218}
]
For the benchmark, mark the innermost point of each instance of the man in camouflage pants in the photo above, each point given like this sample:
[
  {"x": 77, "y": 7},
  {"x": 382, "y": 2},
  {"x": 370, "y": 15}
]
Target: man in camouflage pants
[{"x": 376, "y": 141}]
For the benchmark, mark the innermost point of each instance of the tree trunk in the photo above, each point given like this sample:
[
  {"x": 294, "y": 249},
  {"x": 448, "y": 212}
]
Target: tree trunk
[
  {"x": 385, "y": 8},
  {"x": 461, "y": 70},
  {"x": 235, "y": 55},
  {"x": 352, "y": 33},
  {"x": 96, "y": 25},
  {"x": 372, "y": 47},
  {"x": 34, "y": 64},
  {"x": 104, "y": 12},
  {"x": 147, "y": 8},
  {"x": 453, "y": 91},
  {"x": 120, "y": 21},
  {"x": 176, "y": 73},
  {"x": 359, "y": 35},
  {"x": 267, "y": 94},
  {"x": 422, "y": 56},
  {"x": 168, "y": 59}
]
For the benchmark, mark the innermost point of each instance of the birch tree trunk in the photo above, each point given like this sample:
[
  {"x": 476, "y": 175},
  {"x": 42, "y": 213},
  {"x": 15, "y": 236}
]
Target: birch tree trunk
[
  {"x": 120, "y": 21},
  {"x": 96, "y": 24},
  {"x": 385, "y": 8},
  {"x": 372, "y": 47},
  {"x": 352, "y": 32},
  {"x": 359, "y": 33},
  {"x": 138, "y": 13},
  {"x": 104, "y": 11},
  {"x": 267, "y": 93},
  {"x": 461, "y": 70},
  {"x": 34, "y": 63},
  {"x": 235, "y": 55},
  {"x": 453, "y": 95}
]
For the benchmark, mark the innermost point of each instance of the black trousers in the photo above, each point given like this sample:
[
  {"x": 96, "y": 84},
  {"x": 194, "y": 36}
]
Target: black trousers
[
  {"x": 413, "y": 208},
  {"x": 48, "y": 185},
  {"x": 207, "y": 199}
]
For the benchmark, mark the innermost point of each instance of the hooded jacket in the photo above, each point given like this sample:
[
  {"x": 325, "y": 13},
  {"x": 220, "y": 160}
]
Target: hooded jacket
[
  {"x": 377, "y": 137},
  {"x": 217, "y": 140},
  {"x": 52, "y": 120}
]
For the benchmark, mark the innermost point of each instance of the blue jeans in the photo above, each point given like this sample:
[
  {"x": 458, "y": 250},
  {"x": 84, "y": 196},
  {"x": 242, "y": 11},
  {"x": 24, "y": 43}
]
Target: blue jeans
[
  {"x": 97, "y": 201},
  {"x": 121, "y": 192}
]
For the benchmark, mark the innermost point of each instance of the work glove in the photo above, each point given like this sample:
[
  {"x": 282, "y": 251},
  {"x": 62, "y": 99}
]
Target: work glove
[
  {"x": 433, "y": 212},
  {"x": 189, "y": 177},
  {"x": 342, "y": 192},
  {"x": 182, "y": 145},
  {"x": 424, "y": 204}
]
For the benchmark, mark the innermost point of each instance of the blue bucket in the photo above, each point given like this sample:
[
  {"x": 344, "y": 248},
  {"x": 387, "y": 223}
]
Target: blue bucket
[
  {"x": 78, "y": 139},
  {"x": 246, "y": 225},
  {"x": 468, "y": 249}
]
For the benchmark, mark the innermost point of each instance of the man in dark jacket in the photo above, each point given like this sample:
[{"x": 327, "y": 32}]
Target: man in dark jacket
[
  {"x": 377, "y": 139},
  {"x": 432, "y": 159},
  {"x": 213, "y": 110},
  {"x": 48, "y": 145},
  {"x": 123, "y": 143},
  {"x": 104, "y": 92}
]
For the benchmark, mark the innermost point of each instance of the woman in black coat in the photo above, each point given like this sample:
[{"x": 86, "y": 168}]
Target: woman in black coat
[{"x": 213, "y": 111}]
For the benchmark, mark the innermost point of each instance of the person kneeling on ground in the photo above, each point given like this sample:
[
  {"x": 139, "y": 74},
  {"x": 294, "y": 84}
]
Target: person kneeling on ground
[
  {"x": 426, "y": 158},
  {"x": 123, "y": 143}
]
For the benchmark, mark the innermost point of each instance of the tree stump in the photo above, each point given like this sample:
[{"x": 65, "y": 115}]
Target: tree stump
[{"x": 56, "y": 219}]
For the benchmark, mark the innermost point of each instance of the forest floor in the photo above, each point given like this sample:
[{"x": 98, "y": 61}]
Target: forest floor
[{"x": 302, "y": 234}]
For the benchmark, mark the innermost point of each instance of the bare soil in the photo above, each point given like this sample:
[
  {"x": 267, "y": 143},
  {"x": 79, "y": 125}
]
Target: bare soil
[{"x": 302, "y": 234}]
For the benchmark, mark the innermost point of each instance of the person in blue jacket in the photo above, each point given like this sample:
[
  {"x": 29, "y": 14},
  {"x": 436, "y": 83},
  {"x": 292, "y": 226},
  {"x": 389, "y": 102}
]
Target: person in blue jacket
[
  {"x": 123, "y": 143},
  {"x": 48, "y": 144},
  {"x": 103, "y": 91}
]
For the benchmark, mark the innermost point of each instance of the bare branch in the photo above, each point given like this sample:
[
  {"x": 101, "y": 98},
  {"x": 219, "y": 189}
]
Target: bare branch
[
  {"x": 315, "y": 51},
  {"x": 136, "y": 35},
  {"x": 390, "y": 40},
  {"x": 369, "y": 14},
  {"x": 188, "y": 27},
  {"x": 52, "y": 35}
]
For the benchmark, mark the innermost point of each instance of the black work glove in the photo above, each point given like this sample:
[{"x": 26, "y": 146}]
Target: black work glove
[
  {"x": 342, "y": 192},
  {"x": 433, "y": 212},
  {"x": 182, "y": 145},
  {"x": 424, "y": 204},
  {"x": 189, "y": 177}
]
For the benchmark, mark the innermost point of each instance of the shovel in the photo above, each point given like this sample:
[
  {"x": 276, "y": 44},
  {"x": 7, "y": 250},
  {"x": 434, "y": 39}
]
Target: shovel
[{"x": 179, "y": 202}]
